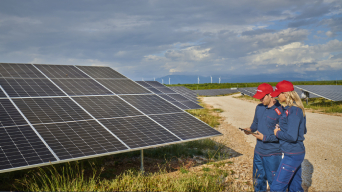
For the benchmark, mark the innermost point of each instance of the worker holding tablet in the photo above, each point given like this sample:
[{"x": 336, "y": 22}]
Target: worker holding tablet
[{"x": 267, "y": 153}]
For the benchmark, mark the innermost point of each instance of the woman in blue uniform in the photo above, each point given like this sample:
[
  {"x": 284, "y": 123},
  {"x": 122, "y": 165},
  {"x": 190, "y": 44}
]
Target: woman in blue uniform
[{"x": 290, "y": 132}]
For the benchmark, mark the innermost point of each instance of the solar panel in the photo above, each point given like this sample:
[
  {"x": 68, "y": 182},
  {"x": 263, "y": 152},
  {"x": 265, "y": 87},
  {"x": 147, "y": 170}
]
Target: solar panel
[
  {"x": 331, "y": 92},
  {"x": 77, "y": 139},
  {"x": 165, "y": 90},
  {"x": 139, "y": 132},
  {"x": 177, "y": 99},
  {"x": 144, "y": 84},
  {"x": 54, "y": 113},
  {"x": 188, "y": 93},
  {"x": 2, "y": 94},
  {"x": 248, "y": 90},
  {"x": 100, "y": 72},
  {"x": 154, "y": 90},
  {"x": 184, "y": 125},
  {"x": 180, "y": 105},
  {"x": 81, "y": 87},
  {"x": 167, "y": 98},
  {"x": 123, "y": 86},
  {"x": 20, "y": 146},
  {"x": 150, "y": 104},
  {"x": 29, "y": 87},
  {"x": 61, "y": 71},
  {"x": 9, "y": 115},
  {"x": 50, "y": 110},
  {"x": 155, "y": 84},
  {"x": 106, "y": 107},
  {"x": 300, "y": 92},
  {"x": 191, "y": 105},
  {"x": 19, "y": 71}
]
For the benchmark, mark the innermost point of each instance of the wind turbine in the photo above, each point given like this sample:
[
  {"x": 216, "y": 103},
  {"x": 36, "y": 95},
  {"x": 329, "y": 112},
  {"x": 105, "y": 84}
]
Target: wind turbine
[
  {"x": 219, "y": 80},
  {"x": 211, "y": 79},
  {"x": 198, "y": 80},
  {"x": 162, "y": 81}
]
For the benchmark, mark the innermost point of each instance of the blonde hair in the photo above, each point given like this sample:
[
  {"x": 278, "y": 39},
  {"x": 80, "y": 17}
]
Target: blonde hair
[{"x": 293, "y": 99}]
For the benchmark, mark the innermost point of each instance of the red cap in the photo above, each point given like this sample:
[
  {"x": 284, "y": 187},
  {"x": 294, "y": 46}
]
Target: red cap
[
  {"x": 282, "y": 86},
  {"x": 263, "y": 90}
]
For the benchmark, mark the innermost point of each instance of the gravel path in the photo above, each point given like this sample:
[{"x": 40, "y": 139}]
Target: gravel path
[{"x": 322, "y": 170}]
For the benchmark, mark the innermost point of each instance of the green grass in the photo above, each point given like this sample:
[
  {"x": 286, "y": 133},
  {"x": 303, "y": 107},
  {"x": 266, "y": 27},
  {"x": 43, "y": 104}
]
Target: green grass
[
  {"x": 323, "y": 105},
  {"x": 72, "y": 178},
  {"x": 255, "y": 84}
]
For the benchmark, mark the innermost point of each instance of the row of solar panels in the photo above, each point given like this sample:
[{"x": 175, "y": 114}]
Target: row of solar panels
[
  {"x": 59, "y": 113},
  {"x": 171, "y": 95},
  {"x": 331, "y": 92}
]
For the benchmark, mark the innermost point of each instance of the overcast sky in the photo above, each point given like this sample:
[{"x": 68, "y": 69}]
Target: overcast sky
[{"x": 146, "y": 39}]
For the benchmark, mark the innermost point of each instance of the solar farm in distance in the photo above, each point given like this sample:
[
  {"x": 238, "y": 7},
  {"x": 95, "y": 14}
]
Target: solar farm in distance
[{"x": 60, "y": 113}]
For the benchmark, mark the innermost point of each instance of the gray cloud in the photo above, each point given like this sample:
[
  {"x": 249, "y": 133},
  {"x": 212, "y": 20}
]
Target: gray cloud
[{"x": 155, "y": 38}]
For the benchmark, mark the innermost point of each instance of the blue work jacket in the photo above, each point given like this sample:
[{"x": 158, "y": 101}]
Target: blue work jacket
[
  {"x": 292, "y": 129},
  {"x": 265, "y": 120}
]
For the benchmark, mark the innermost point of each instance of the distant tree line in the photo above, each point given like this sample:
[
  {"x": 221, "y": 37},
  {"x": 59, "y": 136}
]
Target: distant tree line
[{"x": 255, "y": 84}]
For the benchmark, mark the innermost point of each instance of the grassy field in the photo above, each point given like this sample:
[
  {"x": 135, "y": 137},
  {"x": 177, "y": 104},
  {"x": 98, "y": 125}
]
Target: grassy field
[
  {"x": 166, "y": 169},
  {"x": 255, "y": 84}
]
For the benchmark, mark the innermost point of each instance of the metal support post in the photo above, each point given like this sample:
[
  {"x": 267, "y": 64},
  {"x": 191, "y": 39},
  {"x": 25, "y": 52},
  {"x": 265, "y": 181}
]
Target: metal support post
[
  {"x": 307, "y": 100},
  {"x": 142, "y": 161}
]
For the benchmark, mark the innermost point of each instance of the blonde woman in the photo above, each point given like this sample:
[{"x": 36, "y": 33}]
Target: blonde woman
[{"x": 290, "y": 132}]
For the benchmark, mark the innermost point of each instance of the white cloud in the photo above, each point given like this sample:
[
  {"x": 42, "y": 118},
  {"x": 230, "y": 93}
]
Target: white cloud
[
  {"x": 329, "y": 34},
  {"x": 297, "y": 53},
  {"x": 194, "y": 53}
]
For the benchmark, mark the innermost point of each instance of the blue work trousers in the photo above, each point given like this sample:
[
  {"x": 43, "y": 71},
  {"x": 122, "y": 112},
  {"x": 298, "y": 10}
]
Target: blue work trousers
[
  {"x": 289, "y": 174},
  {"x": 264, "y": 169}
]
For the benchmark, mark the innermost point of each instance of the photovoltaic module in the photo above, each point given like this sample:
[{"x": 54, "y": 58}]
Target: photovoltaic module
[
  {"x": 59, "y": 113},
  {"x": 170, "y": 95}
]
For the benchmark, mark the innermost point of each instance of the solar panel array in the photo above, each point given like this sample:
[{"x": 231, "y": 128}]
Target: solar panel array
[
  {"x": 331, "y": 92},
  {"x": 248, "y": 90},
  {"x": 188, "y": 93},
  {"x": 168, "y": 94},
  {"x": 215, "y": 92},
  {"x": 60, "y": 113}
]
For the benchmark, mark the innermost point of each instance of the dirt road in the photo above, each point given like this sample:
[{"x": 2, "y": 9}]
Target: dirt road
[{"x": 322, "y": 169}]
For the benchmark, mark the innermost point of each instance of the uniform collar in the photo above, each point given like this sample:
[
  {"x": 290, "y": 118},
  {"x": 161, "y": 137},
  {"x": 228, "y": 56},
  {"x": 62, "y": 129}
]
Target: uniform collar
[{"x": 277, "y": 104}]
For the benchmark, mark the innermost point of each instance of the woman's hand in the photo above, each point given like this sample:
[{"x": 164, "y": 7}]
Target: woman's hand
[
  {"x": 259, "y": 135},
  {"x": 276, "y": 130}
]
